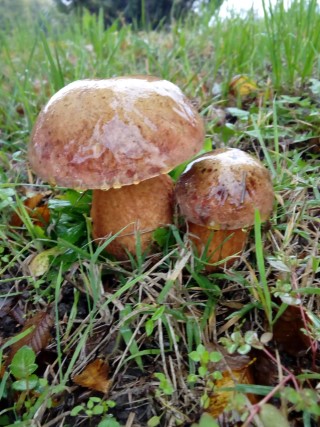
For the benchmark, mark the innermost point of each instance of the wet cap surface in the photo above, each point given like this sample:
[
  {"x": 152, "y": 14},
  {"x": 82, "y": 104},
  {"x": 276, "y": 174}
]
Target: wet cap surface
[
  {"x": 221, "y": 189},
  {"x": 108, "y": 133}
]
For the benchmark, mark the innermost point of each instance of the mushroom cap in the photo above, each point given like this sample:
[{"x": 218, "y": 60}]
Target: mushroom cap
[
  {"x": 222, "y": 188},
  {"x": 108, "y": 133}
]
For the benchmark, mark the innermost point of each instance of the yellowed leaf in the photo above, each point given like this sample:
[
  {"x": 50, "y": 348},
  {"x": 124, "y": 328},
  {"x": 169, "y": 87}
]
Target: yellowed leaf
[
  {"x": 242, "y": 86},
  {"x": 40, "y": 264},
  {"x": 235, "y": 369}
]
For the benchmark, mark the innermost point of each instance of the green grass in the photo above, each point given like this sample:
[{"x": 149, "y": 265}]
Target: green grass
[{"x": 145, "y": 316}]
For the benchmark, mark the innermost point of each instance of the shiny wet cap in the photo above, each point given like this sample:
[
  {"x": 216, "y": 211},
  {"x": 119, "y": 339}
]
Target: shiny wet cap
[
  {"x": 222, "y": 188},
  {"x": 108, "y": 133}
]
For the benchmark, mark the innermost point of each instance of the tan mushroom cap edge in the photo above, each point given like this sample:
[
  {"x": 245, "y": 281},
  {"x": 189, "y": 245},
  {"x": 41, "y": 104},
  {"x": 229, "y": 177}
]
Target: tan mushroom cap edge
[
  {"x": 98, "y": 134},
  {"x": 222, "y": 188}
]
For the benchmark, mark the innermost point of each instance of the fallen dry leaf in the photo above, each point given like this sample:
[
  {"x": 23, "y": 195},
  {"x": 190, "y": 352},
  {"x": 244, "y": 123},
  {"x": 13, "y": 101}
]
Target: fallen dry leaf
[
  {"x": 242, "y": 86},
  {"x": 288, "y": 334},
  {"x": 235, "y": 369},
  {"x": 39, "y": 336},
  {"x": 95, "y": 376},
  {"x": 264, "y": 369},
  {"x": 40, "y": 264},
  {"x": 40, "y": 214}
]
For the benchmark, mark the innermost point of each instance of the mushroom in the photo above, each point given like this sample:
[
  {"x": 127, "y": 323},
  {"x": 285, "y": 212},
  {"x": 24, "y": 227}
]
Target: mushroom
[
  {"x": 119, "y": 137},
  {"x": 217, "y": 194}
]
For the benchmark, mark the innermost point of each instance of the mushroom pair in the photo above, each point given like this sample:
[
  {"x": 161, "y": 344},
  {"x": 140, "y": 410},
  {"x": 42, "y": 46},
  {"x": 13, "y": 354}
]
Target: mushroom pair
[
  {"x": 119, "y": 137},
  {"x": 217, "y": 194}
]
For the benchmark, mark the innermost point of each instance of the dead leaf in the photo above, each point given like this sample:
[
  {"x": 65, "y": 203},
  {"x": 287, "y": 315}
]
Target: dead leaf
[
  {"x": 264, "y": 369},
  {"x": 95, "y": 376},
  {"x": 39, "y": 336},
  {"x": 20, "y": 110},
  {"x": 242, "y": 86},
  {"x": 40, "y": 264},
  {"x": 38, "y": 212},
  {"x": 287, "y": 331},
  {"x": 235, "y": 369},
  {"x": 5, "y": 305}
]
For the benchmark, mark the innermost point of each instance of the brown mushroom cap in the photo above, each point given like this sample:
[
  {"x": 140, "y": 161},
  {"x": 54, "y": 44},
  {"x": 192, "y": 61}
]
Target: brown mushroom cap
[
  {"x": 222, "y": 188},
  {"x": 107, "y": 133}
]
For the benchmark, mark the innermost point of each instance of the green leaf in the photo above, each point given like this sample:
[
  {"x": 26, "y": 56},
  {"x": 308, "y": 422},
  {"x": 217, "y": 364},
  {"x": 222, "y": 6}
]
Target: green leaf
[
  {"x": 202, "y": 371},
  {"x": 215, "y": 356},
  {"x": 236, "y": 112},
  {"x": 25, "y": 385},
  {"x": 158, "y": 313},
  {"x": 206, "y": 420},
  {"x": 154, "y": 421},
  {"x": 98, "y": 410},
  {"x": 22, "y": 365},
  {"x": 194, "y": 356},
  {"x": 109, "y": 422},
  {"x": 192, "y": 378},
  {"x": 244, "y": 349},
  {"x": 90, "y": 404},
  {"x": 75, "y": 411},
  {"x": 111, "y": 403},
  {"x": 149, "y": 325},
  {"x": 271, "y": 416},
  {"x": 95, "y": 399},
  {"x": 160, "y": 235}
]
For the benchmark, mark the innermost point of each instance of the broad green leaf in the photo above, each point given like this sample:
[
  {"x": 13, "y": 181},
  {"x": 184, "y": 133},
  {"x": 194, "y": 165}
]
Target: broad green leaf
[
  {"x": 26, "y": 384},
  {"x": 22, "y": 365},
  {"x": 271, "y": 416},
  {"x": 109, "y": 422}
]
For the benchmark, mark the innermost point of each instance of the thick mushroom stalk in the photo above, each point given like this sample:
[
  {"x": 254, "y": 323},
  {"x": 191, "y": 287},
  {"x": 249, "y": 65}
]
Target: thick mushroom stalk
[
  {"x": 218, "y": 194},
  {"x": 118, "y": 134},
  {"x": 138, "y": 209}
]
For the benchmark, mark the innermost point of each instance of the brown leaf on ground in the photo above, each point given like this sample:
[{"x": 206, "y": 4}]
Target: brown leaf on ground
[
  {"x": 95, "y": 376},
  {"x": 287, "y": 331},
  {"x": 5, "y": 305},
  {"x": 235, "y": 369},
  {"x": 39, "y": 336},
  {"x": 264, "y": 370},
  {"x": 38, "y": 212}
]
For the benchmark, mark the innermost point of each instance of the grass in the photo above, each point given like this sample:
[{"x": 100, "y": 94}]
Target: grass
[{"x": 145, "y": 317}]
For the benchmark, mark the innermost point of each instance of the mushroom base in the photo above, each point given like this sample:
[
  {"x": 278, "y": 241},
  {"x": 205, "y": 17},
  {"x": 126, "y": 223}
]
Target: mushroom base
[
  {"x": 138, "y": 209},
  {"x": 220, "y": 244}
]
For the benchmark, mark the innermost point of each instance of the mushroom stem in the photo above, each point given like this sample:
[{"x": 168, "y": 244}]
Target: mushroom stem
[
  {"x": 219, "y": 244},
  {"x": 138, "y": 209}
]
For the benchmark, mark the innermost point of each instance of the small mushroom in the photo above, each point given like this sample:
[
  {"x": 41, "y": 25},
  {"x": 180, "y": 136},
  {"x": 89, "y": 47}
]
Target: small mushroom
[
  {"x": 217, "y": 194},
  {"x": 119, "y": 137}
]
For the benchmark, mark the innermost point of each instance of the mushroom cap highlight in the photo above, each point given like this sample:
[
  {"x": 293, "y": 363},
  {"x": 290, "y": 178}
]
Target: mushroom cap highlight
[
  {"x": 98, "y": 134},
  {"x": 222, "y": 188}
]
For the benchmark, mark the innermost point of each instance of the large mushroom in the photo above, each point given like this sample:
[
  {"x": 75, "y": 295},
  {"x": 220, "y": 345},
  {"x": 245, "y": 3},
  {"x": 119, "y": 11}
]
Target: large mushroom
[
  {"x": 119, "y": 137},
  {"x": 217, "y": 194}
]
